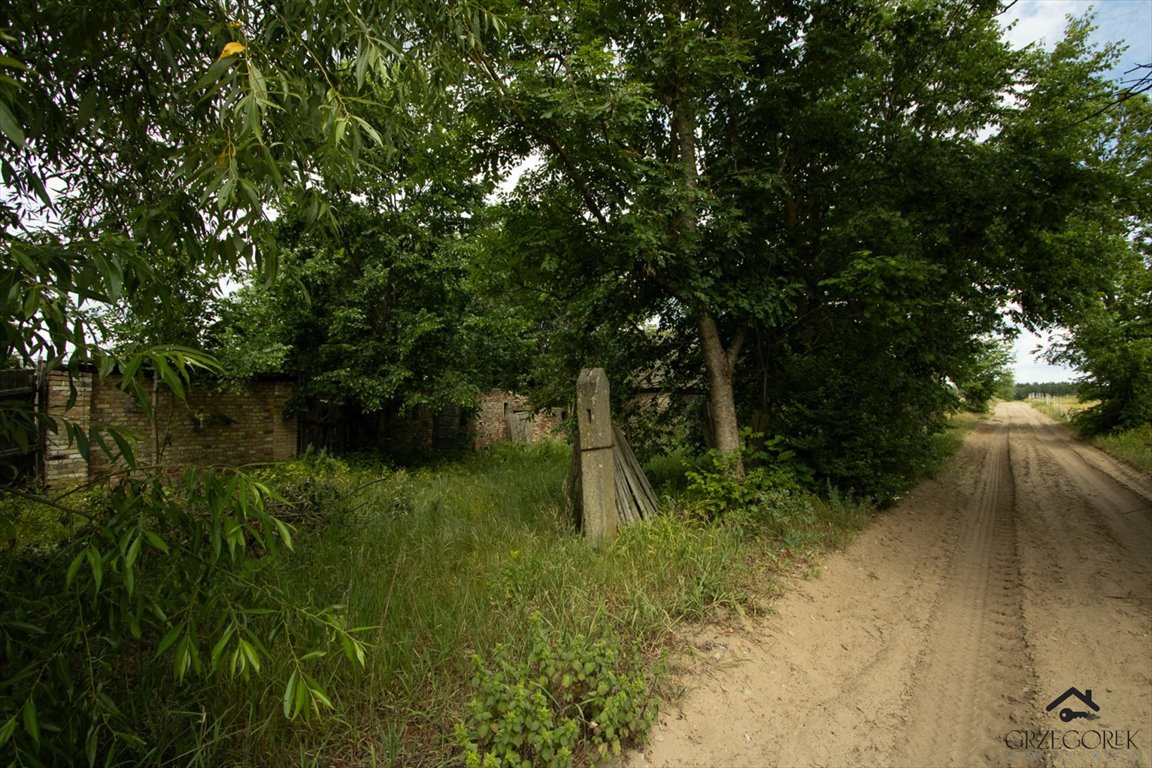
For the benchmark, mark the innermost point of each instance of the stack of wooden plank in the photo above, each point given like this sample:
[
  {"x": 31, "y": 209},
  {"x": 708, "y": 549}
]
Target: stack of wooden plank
[{"x": 635, "y": 499}]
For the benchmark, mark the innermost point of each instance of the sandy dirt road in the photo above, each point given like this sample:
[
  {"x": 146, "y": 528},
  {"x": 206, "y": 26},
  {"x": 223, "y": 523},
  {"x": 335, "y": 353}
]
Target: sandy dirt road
[{"x": 942, "y": 633}]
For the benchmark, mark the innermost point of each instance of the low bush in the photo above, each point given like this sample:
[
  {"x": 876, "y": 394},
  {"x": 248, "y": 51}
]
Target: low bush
[
  {"x": 119, "y": 630},
  {"x": 572, "y": 695}
]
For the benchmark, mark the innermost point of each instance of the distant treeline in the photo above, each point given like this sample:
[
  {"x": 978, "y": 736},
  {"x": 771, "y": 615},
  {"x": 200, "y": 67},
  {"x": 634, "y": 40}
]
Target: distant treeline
[{"x": 1047, "y": 388}]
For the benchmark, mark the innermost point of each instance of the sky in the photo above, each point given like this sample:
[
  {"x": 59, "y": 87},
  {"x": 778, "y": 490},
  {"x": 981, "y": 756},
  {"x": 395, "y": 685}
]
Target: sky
[{"x": 1128, "y": 22}]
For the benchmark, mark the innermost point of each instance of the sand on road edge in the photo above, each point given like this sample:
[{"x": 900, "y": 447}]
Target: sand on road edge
[{"x": 940, "y": 635}]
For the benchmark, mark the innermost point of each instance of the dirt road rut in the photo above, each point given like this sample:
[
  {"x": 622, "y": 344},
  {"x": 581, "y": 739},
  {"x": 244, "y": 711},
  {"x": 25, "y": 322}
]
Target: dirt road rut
[{"x": 942, "y": 633}]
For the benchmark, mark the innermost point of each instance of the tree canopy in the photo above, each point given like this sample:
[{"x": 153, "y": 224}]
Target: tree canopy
[
  {"x": 814, "y": 213},
  {"x": 145, "y": 135},
  {"x": 829, "y": 205}
]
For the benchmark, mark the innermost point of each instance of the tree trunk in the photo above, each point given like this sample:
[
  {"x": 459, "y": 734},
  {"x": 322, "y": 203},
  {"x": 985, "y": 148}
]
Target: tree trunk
[
  {"x": 720, "y": 364},
  {"x": 718, "y": 361}
]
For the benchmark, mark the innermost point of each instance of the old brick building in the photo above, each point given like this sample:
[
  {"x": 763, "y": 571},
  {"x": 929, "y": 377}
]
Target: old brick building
[
  {"x": 508, "y": 417},
  {"x": 209, "y": 428}
]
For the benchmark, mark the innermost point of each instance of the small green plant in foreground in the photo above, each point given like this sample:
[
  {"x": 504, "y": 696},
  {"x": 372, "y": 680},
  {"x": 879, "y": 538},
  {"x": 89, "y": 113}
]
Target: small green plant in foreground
[{"x": 571, "y": 693}]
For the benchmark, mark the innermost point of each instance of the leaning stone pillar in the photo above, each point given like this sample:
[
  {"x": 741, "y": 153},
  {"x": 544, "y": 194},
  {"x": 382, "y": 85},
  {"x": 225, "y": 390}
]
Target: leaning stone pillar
[{"x": 597, "y": 471}]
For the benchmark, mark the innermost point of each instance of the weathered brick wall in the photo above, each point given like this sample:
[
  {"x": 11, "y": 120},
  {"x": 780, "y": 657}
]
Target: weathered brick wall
[
  {"x": 208, "y": 429},
  {"x": 491, "y": 424},
  {"x": 63, "y": 464}
]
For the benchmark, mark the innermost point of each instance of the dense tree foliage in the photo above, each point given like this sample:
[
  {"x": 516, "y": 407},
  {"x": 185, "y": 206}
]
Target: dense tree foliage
[
  {"x": 1109, "y": 336},
  {"x": 1111, "y": 345},
  {"x": 142, "y": 149},
  {"x": 388, "y": 311},
  {"x": 155, "y": 135},
  {"x": 1062, "y": 388},
  {"x": 816, "y": 211}
]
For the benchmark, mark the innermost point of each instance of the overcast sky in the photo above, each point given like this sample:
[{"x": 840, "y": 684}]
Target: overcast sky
[{"x": 1128, "y": 22}]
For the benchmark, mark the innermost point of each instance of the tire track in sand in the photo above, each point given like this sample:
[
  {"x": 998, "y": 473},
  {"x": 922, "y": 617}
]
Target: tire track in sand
[
  {"x": 952, "y": 621},
  {"x": 975, "y": 670}
]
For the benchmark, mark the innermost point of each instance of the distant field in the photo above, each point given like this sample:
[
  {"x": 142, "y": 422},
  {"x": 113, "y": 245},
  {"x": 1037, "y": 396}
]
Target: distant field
[{"x": 1060, "y": 407}]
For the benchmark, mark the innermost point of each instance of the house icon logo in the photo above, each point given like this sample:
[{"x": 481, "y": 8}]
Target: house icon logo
[{"x": 1067, "y": 714}]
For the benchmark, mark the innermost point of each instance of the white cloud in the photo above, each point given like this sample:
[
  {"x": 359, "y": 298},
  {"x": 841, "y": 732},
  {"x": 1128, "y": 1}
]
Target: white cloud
[
  {"x": 1040, "y": 21},
  {"x": 1127, "y": 22},
  {"x": 1030, "y": 367}
]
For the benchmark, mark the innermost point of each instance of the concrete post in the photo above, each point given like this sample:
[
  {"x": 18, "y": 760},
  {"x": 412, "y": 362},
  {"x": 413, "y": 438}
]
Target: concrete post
[{"x": 597, "y": 472}]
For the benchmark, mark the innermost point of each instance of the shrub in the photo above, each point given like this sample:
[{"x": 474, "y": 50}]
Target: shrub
[
  {"x": 155, "y": 589},
  {"x": 770, "y": 467},
  {"x": 570, "y": 693}
]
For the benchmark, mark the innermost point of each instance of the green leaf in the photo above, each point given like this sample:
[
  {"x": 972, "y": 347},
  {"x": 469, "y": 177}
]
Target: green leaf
[
  {"x": 30, "y": 628},
  {"x": 127, "y": 455},
  {"x": 7, "y": 730},
  {"x": 250, "y": 653},
  {"x": 133, "y": 550},
  {"x": 31, "y": 722},
  {"x": 221, "y": 644},
  {"x": 87, "y": 106},
  {"x": 372, "y": 132},
  {"x": 96, "y": 563},
  {"x": 285, "y": 534},
  {"x": 214, "y": 73},
  {"x": 317, "y": 694},
  {"x": 91, "y": 743},
  {"x": 10, "y": 126},
  {"x": 290, "y": 696},
  {"x": 300, "y": 700},
  {"x": 169, "y": 637},
  {"x": 74, "y": 568},
  {"x": 155, "y": 540}
]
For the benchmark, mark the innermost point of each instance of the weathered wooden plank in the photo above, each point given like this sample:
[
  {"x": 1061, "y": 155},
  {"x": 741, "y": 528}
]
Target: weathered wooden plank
[
  {"x": 520, "y": 427},
  {"x": 645, "y": 497},
  {"x": 625, "y": 505}
]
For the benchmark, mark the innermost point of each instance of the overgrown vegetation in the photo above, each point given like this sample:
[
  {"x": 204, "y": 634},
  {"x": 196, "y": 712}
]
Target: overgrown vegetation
[
  {"x": 424, "y": 605},
  {"x": 811, "y": 215},
  {"x": 1133, "y": 445}
]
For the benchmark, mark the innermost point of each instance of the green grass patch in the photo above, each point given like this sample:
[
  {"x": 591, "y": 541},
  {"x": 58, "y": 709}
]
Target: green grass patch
[
  {"x": 474, "y": 566},
  {"x": 1133, "y": 446},
  {"x": 473, "y": 602},
  {"x": 452, "y": 567}
]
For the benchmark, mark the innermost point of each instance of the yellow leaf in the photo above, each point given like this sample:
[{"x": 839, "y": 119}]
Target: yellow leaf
[
  {"x": 235, "y": 24},
  {"x": 232, "y": 49}
]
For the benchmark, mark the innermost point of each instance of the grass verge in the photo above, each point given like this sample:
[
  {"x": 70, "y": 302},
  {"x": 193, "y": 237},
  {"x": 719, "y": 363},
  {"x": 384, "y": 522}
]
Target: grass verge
[
  {"x": 492, "y": 633},
  {"x": 466, "y": 568},
  {"x": 1133, "y": 446}
]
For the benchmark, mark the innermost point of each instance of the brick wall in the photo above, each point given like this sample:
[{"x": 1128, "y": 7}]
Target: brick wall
[
  {"x": 63, "y": 464},
  {"x": 498, "y": 413},
  {"x": 208, "y": 429}
]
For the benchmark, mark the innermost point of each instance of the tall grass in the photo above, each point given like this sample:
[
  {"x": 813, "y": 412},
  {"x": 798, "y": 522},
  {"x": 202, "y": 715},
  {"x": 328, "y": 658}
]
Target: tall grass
[
  {"x": 447, "y": 563},
  {"x": 433, "y": 570},
  {"x": 1133, "y": 446}
]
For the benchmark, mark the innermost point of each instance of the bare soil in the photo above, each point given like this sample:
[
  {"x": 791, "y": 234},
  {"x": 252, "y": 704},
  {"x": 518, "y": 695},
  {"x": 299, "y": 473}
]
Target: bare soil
[{"x": 941, "y": 634}]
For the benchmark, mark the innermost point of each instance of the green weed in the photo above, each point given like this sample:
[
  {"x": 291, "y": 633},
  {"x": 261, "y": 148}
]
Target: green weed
[
  {"x": 416, "y": 574},
  {"x": 571, "y": 695},
  {"x": 1133, "y": 446}
]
